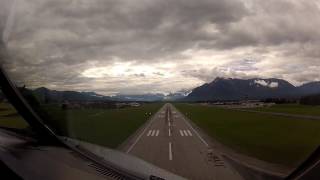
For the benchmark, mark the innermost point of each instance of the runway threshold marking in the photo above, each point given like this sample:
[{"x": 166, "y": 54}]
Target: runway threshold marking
[
  {"x": 201, "y": 139},
  {"x": 153, "y": 132},
  {"x": 185, "y": 132},
  {"x": 181, "y": 132},
  {"x": 189, "y": 132},
  {"x": 170, "y": 151},
  {"x": 198, "y": 135},
  {"x": 140, "y": 135}
]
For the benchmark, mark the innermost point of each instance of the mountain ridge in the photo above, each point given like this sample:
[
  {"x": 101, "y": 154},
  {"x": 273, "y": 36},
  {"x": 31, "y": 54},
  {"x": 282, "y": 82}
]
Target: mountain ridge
[
  {"x": 254, "y": 88},
  {"x": 220, "y": 89}
]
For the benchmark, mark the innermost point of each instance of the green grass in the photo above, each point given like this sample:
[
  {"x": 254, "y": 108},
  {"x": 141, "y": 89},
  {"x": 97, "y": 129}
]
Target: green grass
[
  {"x": 276, "y": 139},
  {"x": 10, "y": 118},
  {"x": 292, "y": 109},
  {"x": 106, "y": 127}
]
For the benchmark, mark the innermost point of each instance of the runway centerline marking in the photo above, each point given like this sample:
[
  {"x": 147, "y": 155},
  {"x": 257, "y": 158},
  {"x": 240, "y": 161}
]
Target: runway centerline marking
[
  {"x": 168, "y": 119},
  {"x": 169, "y": 132},
  {"x": 170, "y": 151}
]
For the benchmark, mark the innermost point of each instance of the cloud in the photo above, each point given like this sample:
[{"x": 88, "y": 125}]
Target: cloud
[
  {"x": 267, "y": 84},
  {"x": 168, "y": 44},
  {"x": 273, "y": 84}
]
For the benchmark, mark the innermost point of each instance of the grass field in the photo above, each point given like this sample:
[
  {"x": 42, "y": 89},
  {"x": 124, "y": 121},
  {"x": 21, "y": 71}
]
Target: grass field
[
  {"x": 274, "y": 139},
  {"x": 108, "y": 127},
  {"x": 10, "y": 118},
  {"x": 292, "y": 109}
]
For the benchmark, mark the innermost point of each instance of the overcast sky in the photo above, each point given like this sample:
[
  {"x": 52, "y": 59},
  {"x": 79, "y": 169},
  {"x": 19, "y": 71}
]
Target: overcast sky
[{"x": 142, "y": 46}]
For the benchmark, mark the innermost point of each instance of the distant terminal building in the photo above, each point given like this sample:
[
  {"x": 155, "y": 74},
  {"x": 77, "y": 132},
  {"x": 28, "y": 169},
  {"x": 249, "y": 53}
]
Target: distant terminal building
[
  {"x": 127, "y": 104},
  {"x": 243, "y": 104},
  {"x": 134, "y": 104}
]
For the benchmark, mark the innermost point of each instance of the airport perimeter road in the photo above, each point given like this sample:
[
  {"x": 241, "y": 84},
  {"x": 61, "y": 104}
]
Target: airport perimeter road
[{"x": 169, "y": 141}]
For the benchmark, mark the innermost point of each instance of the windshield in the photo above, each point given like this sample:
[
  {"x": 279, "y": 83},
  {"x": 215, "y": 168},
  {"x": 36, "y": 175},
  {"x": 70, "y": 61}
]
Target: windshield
[{"x": 207, "y": 89}]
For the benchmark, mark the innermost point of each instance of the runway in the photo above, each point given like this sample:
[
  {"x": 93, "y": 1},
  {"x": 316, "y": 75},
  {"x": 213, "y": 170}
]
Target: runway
[{"x": 170, "y": 142}]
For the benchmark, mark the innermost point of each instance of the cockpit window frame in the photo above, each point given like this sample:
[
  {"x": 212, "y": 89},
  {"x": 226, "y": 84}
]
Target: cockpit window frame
[{"x": 44, "y": 134}]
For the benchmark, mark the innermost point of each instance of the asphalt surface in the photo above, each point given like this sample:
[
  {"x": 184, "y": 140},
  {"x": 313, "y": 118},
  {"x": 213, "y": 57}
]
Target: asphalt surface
[{"x": 170, "y": 142}]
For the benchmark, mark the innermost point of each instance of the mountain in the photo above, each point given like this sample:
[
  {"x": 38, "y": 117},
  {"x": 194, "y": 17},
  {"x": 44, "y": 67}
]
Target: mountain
[
  {"x": 219, "y": 89},
  {"x": 256, "y": 88},
  {"x": 46, "y": 95},
  {"x": 309, "y": 88}
]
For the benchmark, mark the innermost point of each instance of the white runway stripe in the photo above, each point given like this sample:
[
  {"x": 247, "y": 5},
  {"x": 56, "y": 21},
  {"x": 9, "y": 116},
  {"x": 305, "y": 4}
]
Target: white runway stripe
[
  {"x": 189, "y": 132},
  {"x": 181, "y": 133},
  {"x": 197, "y": 134},
  {"x": 170, "y": 151},
  {"x": 153, "y": 132},
  {"x": 185, "y": 133}
]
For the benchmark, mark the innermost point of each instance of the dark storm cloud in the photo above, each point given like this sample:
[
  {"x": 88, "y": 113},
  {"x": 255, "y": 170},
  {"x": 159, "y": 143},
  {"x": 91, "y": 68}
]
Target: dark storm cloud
[
  {"x": 128, "y": 29},
  {"x": 54, "y": 41}
]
